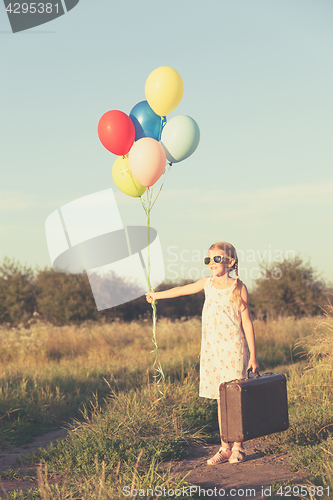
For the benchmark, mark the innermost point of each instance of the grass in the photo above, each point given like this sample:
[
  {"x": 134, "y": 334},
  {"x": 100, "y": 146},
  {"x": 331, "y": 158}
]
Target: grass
[
  {"x": 133, "y": 482},
  {"x": 277, "y": 341},
  {"x": 97, "y": 379},
  {"x": 129, "y": 421},
  {"x": 310, "y": 436},
  {"x": 49, "y": 373}
]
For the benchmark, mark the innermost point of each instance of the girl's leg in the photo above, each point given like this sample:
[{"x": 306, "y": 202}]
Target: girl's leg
[
  {"x": 237, "y": 451},
  {"x": 225, "y": 445},
  {"x": 224, "y": 452}
]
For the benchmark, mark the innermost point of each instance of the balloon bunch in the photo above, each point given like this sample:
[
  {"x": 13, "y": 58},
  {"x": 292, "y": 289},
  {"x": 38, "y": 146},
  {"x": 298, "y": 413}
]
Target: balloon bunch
[{"x": 143, "y": 142}]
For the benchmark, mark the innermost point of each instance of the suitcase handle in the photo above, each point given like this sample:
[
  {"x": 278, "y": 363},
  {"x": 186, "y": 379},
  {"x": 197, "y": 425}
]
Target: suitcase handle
[
  {"x": 250, "y": 370},
  {"x": 257, "y": 375}
]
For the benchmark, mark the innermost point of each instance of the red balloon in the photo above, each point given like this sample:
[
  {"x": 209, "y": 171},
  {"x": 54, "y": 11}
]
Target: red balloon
[{"x": 116, "y": 132}]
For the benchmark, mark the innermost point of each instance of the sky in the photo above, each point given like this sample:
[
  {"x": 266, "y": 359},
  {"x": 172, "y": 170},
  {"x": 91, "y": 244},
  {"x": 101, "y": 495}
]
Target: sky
[{"x": 258, "y": 81}]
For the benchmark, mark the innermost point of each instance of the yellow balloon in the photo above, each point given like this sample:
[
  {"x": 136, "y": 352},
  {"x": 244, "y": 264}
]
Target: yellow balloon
[
  {"x": 164, "y": 90},
  {"x": 124, "y": 178}
]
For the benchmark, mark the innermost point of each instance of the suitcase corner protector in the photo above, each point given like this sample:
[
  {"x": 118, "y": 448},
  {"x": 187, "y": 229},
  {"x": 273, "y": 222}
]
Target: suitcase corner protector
[{"x": 222, "y": 386}]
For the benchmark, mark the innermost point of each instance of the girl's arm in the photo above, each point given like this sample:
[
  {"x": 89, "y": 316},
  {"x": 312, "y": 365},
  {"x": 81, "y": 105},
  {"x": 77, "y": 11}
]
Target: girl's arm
[
  {"x": 248, "y": 330},
  {"x": 177, "y": 291}
]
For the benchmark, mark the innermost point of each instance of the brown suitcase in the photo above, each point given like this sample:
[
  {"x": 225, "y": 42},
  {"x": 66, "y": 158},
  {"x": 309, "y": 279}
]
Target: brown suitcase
[{"x": 253, "y": 407}]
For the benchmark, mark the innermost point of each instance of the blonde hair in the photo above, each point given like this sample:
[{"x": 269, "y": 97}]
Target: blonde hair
[{"x": 230, "y": 251}]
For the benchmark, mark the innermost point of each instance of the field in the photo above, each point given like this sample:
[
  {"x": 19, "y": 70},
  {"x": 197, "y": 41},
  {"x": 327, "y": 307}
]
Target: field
[{"x": 98, "y": 380}]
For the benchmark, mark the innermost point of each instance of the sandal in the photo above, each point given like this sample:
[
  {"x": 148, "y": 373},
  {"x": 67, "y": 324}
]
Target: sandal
[
  {"x": 237, "y": 455},
  {"x": 220, "y": 457}
]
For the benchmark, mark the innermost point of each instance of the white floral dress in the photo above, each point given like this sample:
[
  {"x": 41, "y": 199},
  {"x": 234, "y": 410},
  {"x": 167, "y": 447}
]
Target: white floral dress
[{"x": 224, "y": 351}]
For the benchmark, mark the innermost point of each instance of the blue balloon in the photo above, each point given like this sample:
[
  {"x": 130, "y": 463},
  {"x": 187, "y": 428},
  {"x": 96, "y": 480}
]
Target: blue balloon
[{"x": 146, "y": 122}]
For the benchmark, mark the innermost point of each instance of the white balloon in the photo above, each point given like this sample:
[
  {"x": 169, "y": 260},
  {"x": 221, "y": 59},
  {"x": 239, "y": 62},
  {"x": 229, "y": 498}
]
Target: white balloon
[{"x": 180, "y": 138}]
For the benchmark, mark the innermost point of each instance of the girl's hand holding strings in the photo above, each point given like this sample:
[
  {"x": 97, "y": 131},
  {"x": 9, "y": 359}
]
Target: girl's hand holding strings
[{"x": 151, "y": 297}]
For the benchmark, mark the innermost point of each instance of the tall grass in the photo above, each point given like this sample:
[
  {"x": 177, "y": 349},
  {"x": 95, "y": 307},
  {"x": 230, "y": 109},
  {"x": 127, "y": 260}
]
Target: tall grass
[
  {"x": 124, "y": 482},
  {"x": 120, "y": 342},
  {"x": 47, "y": 373},
  {"x": 310, "y": 436},
  {"x": 100, "y": 375},
  {"x": 277, "y": 340},
  {"x": 100, "y": 456}
]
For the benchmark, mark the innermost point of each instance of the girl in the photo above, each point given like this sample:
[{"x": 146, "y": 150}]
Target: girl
[{"x": 226, "y": 353}]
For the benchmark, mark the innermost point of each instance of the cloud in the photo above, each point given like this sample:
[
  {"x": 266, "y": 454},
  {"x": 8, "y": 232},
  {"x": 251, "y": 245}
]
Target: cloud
[
  {"x": 15, "y": 201},
  {"x": 201, "y": 204},
  {"x": 246, "y": 205},
  {"x": 7, "y": 230},
  {"x": 320, "y": 194}
]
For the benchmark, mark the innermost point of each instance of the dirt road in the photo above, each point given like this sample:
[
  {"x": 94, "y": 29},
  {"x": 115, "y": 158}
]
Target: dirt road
[{"x": 250, "y": 479}]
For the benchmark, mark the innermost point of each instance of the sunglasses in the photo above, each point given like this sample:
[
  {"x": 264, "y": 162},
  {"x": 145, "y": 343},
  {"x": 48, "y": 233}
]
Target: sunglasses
[{"x": 217, "y": 259}]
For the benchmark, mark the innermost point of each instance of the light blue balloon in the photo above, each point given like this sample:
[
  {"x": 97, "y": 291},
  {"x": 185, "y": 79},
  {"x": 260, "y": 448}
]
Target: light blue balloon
[
  {"x": 180, "y": 138},
  {"x": 146, "y": 122}
]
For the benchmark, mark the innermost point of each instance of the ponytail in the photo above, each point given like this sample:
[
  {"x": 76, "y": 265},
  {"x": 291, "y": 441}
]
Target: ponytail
[
  {"x": 236, "y": 270},
  {"x": 238, "y": 288}
]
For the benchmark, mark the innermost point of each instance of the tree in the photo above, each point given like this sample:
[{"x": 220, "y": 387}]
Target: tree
[
  {"x": 290, "y": 288},
  {"x": 65, "y": 298},
  {"x": 17, "y": 293}
]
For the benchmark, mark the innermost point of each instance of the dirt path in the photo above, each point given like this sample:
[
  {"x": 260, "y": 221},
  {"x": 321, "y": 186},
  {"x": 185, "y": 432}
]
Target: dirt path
[
  {"x": 10, "y": 459},
  {"x": 258, "y": 471},
  {"x": 246, "y": 480}
]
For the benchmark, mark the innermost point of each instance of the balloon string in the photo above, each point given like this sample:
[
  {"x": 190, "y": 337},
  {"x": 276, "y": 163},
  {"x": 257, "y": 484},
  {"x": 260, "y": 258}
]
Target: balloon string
[
  {"x": 159, "y": 376},
  {"x": 157, "y": 367},
  {"x": 169, "y": 165}
]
